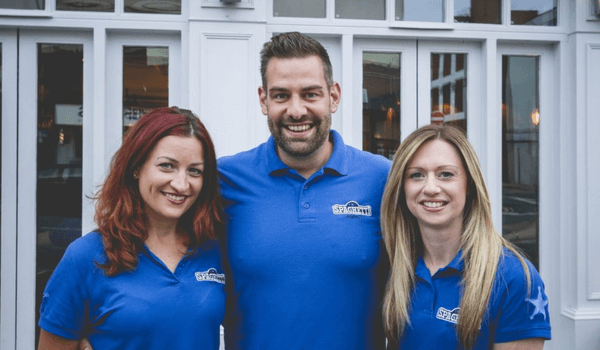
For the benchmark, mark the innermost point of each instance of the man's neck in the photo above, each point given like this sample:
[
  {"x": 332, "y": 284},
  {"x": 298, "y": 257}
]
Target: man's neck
[{"x": 308, "y": 165}]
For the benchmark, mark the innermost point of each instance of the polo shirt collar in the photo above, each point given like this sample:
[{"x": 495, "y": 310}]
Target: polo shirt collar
[
  {"x": 337, "y": 163},
  {"x": 456, "y": 265}
]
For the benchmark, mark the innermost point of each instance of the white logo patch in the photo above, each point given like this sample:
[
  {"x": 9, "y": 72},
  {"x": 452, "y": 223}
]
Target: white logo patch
[
  {"x": 351, "y": 208},
  {"x": 211, "y": 275},
  {"x": 447, "y": 315}
]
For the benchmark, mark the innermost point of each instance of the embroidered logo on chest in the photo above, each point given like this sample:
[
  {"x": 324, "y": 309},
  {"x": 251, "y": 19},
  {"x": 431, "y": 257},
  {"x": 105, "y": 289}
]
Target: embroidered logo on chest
[
  {"x": 447, "y": 315},
  {"x": 210, "y": 275},
  {"x": 352, "y": 208}
]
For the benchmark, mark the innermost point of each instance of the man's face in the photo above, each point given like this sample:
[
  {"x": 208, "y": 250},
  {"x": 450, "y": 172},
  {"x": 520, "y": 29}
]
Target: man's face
[{"x": 298, "y": 105}]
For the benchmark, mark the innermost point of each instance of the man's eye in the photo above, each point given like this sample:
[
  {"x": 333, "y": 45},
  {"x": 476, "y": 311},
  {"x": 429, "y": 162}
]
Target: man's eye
[
  {"x": 311, "y": 95},
  {"x": 280, "y": 96}
]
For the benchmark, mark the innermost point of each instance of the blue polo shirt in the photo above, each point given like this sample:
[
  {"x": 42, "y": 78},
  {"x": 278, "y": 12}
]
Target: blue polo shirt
[
  {"x": 147, "y": 308},
  {"x": 511, "y": 315},
  {"x": 306, "y": 255}
]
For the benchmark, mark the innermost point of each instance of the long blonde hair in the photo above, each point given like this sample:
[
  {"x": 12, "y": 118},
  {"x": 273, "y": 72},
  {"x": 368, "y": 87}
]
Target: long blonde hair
[{"x": 481, "y": 244}]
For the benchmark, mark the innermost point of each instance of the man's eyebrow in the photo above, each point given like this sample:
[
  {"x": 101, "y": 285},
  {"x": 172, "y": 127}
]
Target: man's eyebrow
[
  {"x": 313, "y": 87},
  {"x": 277, "y": 89}
]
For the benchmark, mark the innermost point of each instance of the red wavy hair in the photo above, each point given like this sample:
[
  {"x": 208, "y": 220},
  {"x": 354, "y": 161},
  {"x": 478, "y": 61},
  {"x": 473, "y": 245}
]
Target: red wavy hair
[{"x": 120, "y": 213}]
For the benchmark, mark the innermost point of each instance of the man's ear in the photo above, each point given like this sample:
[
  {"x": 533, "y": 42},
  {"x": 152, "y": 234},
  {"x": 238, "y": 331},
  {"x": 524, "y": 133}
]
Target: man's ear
[
  {"x": 335, "y": 96},
  {"x": 262, "y": 98}
]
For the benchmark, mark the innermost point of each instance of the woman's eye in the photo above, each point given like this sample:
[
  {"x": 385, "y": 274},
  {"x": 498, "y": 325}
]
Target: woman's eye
[
  {"x": 167, "y": 166},
  {"x": 195, "y": 172},
  {"x": 446, "y": 174},
  {"x": 415, "y": 176}
]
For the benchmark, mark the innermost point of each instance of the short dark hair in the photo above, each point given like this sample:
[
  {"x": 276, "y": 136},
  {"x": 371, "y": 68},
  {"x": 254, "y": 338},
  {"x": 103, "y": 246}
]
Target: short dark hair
[{"x": 294, "y": 45}]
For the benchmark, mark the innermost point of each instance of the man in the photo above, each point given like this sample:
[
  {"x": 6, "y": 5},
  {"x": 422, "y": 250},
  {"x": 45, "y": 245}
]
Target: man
[{"x": 303, "y": 240}]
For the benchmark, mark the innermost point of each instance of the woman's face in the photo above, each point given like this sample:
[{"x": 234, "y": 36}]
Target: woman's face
[
  {"x": 171, "y": 178},
  {"x": 435, "y": 185}
]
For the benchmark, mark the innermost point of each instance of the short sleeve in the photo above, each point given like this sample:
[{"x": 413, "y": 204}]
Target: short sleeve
[
  {"x": 65, "y": 303},
  {"x": 521, "y": 315}
]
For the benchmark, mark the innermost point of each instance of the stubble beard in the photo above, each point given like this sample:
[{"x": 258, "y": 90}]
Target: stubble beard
[{"x": 301, "y": 147}]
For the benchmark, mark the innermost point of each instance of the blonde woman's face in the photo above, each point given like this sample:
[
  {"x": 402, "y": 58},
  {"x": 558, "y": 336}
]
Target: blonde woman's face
[{"x": 435, "y": 186}]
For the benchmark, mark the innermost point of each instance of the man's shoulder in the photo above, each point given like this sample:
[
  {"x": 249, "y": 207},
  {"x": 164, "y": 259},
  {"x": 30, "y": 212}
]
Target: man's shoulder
[
  {"x": 242, "y": 159},
  {"x": 367, "y": 160}
]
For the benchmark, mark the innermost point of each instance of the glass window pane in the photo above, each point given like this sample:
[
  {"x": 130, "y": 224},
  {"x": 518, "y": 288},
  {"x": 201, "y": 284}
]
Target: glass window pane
[
  {"x": 449, "y": 89},
  {"x": 170, "y": 7},
  {"x": 86, "y": 5},
  {"x": 534, "y": 12},
  {"x": 520, "y": 153},
  {"x": 23, "y": 4},
  {"x": 59, "y": 155},
  {"x": 422, "y": 10},
  {"x": 360, "y": 9},
  {"x": 478, "y": 11},
  {"x": 381, "y": 103},
  {"x": 145, "y": 81},
  {"x": 299, "y": 8}
]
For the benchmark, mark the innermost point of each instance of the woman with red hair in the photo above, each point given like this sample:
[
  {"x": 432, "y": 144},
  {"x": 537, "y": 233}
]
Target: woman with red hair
[{"x": 151, "y": 275}]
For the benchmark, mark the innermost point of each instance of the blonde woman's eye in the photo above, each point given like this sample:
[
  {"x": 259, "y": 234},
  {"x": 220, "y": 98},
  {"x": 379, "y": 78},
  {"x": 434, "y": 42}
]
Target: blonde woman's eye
[
  {"x": 415, "y": 176},
  {"x": 446, "y": 175}
]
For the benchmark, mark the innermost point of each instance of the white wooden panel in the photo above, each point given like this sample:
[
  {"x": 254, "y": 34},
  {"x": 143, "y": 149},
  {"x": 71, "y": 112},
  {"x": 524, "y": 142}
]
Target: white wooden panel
[
  {"x": 592, "y": 170},
  {"x": 224, "y": 107},
  {"x": 8, "y": 237}
]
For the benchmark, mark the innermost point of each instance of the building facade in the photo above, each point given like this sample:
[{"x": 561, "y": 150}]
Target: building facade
[{"x": 521, "y": 77}]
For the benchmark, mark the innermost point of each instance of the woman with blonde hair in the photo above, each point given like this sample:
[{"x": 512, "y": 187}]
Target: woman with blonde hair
[{"x": 454, "y": 281}]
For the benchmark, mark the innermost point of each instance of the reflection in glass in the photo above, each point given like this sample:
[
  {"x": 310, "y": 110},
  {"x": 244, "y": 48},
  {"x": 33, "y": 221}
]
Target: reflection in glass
[
  {"x": 23, "y": 4},
  {"x": 360, "y": 9},
  {"x": 59, "y": 155},
  {"x": 534, "y": 12},
  {"x": 86, "y": 5},
  {"x": 381, "y": 103},
  {"x": 449, "y": 89},
  {"x": 145, "y": 81},
  {"x": 520, "y": 153},
  {"x": 478, "y": 11},
  {"x": 422, "y": 10},
  {"x": 169, "y": 7},
  {"x": 299, "y": 8}
]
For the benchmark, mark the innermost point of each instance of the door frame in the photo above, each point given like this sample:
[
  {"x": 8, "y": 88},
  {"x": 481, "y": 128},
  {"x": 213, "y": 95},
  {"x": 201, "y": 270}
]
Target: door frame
[{"x": 27, "y": 169}]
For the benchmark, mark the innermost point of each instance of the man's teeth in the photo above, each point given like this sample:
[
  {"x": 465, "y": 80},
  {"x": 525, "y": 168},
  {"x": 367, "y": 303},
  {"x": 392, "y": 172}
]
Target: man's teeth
[
  {"x": 433, "y": 204},
  {"x": 174, "y": 197},
  {"x": 298, "y": 128}
]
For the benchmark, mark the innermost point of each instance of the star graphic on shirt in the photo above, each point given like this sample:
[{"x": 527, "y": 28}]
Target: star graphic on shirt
[{"x": 539, "y": 303}]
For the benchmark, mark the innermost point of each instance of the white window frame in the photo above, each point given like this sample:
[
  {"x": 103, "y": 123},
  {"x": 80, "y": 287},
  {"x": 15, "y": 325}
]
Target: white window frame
[
  {"x": 8, "y": 236},
  {"x": 114, "y": 79},
  {"x": 408, "y": 83},
  {"x": 549, "y": 148}
]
